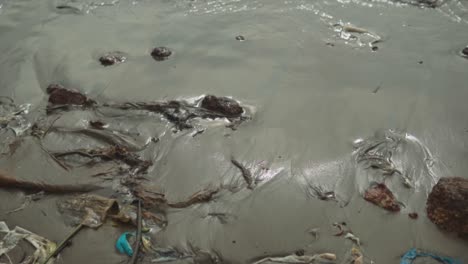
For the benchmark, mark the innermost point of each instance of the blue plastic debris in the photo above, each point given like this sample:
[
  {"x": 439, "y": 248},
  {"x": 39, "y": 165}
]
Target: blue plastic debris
[
  {"x": 122, "y": 244},
  {"x": 413, "y": 253}
]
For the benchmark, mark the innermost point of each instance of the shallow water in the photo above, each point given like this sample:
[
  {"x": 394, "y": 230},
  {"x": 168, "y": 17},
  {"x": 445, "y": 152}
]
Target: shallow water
[{"x": 311, "y": 87}]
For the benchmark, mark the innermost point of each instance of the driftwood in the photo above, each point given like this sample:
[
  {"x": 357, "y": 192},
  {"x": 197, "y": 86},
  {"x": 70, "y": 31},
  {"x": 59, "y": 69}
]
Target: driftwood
[{"x": 8, "y": 182}]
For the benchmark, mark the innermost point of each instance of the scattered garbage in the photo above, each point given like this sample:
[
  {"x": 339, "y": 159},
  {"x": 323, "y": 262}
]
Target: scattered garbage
[
  {"x": 380, "y": 195},
  {"x": 356, "y": 255},
  {"x": 89, "y": 209},
  {"x": 324, "y": 257},
  {"x": 161, "y": 53},
  {"x": 414, "y": 253},
  {"x": 447, "y": 205},
  {"x": 12, "y": 116},
  {"x": 111, "y": 58},
  {"x": 353, "y": 238},
  {"x": 43, "y": 247},
  {"x": 123, "y": 246}
]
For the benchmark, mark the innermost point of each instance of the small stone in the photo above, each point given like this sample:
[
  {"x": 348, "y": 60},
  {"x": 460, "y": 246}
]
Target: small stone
[
  {"x": 112, "y": 58},
  {"x": 161, "y": 53},
  {"x": 413, "y": 215},
  {"x": 233, "y": 241},
  {"x": 330, "y": 44},
  {"x": 420, "y": 62},
  {"x": 240, "y": 38},
  {"x": 465, "y": 52},
  {"x": 375, "y": 48},
  {"x": 222, "y": 105}
]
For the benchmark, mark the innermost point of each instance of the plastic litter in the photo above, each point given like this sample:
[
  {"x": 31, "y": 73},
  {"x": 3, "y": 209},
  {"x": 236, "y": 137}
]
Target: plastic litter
[
  {"x": 325, "y": 257},
  {"x": 414, "y": 253},
  {"x": 122, "y": 244},
  {"x": 12, "y": 237},
  {"x": 353, "y": 238}
]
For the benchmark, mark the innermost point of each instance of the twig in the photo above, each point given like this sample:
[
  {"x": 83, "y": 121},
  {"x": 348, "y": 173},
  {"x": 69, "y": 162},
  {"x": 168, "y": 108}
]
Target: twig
[
  {"x": 245, "y": 173},
  {"x": 61, "y": 164},
  {"x": 64, "y": 243},
  {"x": 134, "y": 258}
]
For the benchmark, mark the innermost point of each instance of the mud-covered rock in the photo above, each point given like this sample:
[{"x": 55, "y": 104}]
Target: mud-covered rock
[
  {"x": 447, "y": 205},
  {"x": 112, "y": 58},
  {"x": 161, "y": 53},
  {"x": 59, "y": 95},
  {"x": 222, "y": 105},
  {"x": 464, "y": 52}
]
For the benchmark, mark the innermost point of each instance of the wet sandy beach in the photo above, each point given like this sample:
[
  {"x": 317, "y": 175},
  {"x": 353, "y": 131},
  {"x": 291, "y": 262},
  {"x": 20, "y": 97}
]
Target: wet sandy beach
[{"x": 319, "y": 82}]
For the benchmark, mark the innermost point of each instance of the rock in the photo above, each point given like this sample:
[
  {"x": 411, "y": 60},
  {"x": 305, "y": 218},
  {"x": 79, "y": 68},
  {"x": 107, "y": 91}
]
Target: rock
[
  {"x": 59, "y": 95},
  {"x": 112, "y": 58},
  {"x": 240, "y": 38},
  {"x": 464, "y": 52},
  {"x": 381, "y": 196},
  {"x": 447, "y": 205},
  {"x": 161, "y": 53},
  {"x": 413, "y": 215},
  {"x": 222, "y": 105}
]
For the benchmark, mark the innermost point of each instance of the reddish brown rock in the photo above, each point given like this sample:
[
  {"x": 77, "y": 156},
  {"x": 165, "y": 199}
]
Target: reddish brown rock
[
  {"x": 447, "y": 205},
  {"x": 59, "y": 95},
  {"x": 222, "y": 105},
  {"x": 381, "y": 196},
  {"x": 413, "y": 215}
]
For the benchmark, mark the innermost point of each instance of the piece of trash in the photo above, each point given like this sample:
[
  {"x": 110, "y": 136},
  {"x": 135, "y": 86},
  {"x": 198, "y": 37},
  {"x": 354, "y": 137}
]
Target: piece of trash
[
  {"x": 112, "y": 58},
  {"x": 12, "y": 237},
  {"x": 380, "y": 195},
  {"x": 414, "y": 253},
  {"x": 314, "y": 232},
  {"x": 161, "y": 53},
  {"x": 12, "y": 116},
  {"x": 246, "y": 174},
  {"x": 341, "y": 228},
  {"x": 128, "y": 215},
  {"x": 356, "y": 255},
  {"x": 89, "y": 209},
  {"x": 353, "y": 238},
  {"x": 7, "y": 182},
  {"x": 122, "y": 244},
  {"x": 299, "y": 259},
  {"x": 447, "y": 205}
]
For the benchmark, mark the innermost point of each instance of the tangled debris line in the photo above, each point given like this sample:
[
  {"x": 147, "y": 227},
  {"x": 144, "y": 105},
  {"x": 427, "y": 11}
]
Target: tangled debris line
[{"x": 113, "y": 153}]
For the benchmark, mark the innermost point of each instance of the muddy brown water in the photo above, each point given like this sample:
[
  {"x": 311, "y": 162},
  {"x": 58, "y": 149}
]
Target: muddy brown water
[{"x": 311, "y": 86}]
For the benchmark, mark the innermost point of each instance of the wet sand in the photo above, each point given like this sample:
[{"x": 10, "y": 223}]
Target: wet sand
[{"x": 308, "y": 101}]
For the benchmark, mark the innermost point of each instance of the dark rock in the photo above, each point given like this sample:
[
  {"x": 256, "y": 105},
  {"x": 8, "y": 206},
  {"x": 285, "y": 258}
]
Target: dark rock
[
  {"x": 161, "y": 53},
  {"x": 97, "y": 124},
  {"x": 381, "y": 196},
  {"x": 59, "y": 95},
  {"x": 447, "y": 205},
  {"x": 413, "y": 215},
  {"x": 222, "y": 105},
  {"x": 112, "y": 58},
  {"x": 240, "y": 38},
  {"x": 375, "y": 48},
  {"x": 420, "y": 62},
  {"x": 464, "y": 52}
]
